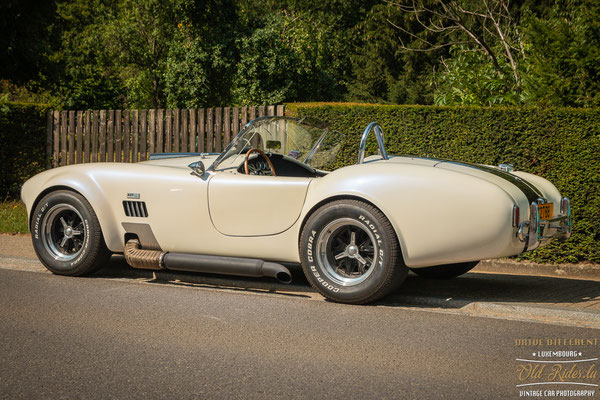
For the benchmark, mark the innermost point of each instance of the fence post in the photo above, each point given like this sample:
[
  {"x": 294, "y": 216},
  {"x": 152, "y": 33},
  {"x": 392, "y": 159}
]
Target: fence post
[
  {"x": 184, "y": 130},
  {"x": 102, "y": 147},
  {"x": 209, "y": 130},
  {"x": 168, "y": 131},
  {"x": 143, "y": 137},
  {"x": 226, "y": 126},
  {"x": 110, "y": 132},
  {"x": 192, "y": 130},
  {"x": 218, "y": 129},
  {"x": 88, "y": 134},
  {"x": 152, "y": 131},
  {"x": 79, "y": 138},
  {"x": 160, "y": 131},
  {"x": 48, "y": 139},
  {"x": 95, "y": 118},
  {"x": 176, "y": 131},
  {"x": 118, "y": 136},
  {"x": 135, "y": 132},
  {"x": 236, "y": 121},
  {"x": 126, "y": 153},
  {"x": 201, "y": 130}
]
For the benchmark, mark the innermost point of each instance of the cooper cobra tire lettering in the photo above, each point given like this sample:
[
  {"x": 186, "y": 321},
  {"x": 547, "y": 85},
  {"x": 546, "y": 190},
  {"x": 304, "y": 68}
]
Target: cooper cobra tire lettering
[{"x": 320, "y": 231}]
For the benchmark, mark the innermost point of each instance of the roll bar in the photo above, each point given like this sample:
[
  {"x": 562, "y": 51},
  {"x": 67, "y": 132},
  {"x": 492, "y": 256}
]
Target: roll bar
[{"x": 363, "y": 142}]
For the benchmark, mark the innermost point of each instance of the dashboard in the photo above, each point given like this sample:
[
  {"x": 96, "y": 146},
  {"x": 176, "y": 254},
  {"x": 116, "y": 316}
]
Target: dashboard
[{"x": 283, "y": 165}]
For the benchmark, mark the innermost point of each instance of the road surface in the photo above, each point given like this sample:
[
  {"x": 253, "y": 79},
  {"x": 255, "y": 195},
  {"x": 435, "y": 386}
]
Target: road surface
[{"x": 99, "y": 338}]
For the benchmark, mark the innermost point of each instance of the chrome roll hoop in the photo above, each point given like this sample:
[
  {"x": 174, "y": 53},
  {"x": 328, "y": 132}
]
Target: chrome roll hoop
[{"x": 363, "y": 142}]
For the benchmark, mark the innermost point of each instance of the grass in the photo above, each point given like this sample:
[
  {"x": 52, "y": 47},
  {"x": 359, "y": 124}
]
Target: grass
[{"x": 13, "y": 217}]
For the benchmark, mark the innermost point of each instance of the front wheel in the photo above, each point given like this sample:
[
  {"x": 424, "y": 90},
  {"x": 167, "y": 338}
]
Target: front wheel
[
  {"x": 66, "y": 235},
  {"x": 446, "y": 271},
  {"x": 350, "y": 253}
]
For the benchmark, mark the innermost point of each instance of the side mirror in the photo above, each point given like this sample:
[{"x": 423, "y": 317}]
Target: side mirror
[{"x": 197, "y": 168}]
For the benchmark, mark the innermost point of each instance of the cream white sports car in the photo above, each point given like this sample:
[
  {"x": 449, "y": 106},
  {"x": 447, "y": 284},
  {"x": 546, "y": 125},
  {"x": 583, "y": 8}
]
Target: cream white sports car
[{"x": 269, "y": 199}]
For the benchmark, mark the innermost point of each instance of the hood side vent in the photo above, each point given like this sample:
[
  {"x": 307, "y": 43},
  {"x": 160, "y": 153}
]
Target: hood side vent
[{"x": 135, "y": 209}]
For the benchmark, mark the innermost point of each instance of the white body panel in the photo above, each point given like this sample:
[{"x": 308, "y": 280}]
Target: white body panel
[
  {"x": 441, "y": 213},
  {"x": 238, "y": 205}
]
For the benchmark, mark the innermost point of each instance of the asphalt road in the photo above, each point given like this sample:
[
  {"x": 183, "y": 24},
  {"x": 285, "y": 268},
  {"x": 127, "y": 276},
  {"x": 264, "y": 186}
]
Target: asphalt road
[{"x": 103, "y": 338}]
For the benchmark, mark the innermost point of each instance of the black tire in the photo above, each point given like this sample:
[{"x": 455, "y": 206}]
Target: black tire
[
  {"x": 446, "y": 271},
  {"x": 66, "y": 235},
  {"x": 364, "y": 273}
]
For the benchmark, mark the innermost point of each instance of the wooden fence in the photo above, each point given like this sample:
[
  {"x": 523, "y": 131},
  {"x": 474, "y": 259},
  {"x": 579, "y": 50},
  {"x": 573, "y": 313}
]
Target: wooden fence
[{"x": 132, "y": 135}]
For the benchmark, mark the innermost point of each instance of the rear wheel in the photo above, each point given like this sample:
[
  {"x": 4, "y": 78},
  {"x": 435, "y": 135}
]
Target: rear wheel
[
  {"x": 350, "y": 252},
  {"x": 66, "y": 235},
  {"x": 446, "y": 271}
]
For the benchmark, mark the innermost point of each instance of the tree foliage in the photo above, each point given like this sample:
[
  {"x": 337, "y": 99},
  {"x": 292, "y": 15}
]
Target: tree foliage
[
  {"x": 193, "y": 53},
  {"x": 563, "y": 55}
]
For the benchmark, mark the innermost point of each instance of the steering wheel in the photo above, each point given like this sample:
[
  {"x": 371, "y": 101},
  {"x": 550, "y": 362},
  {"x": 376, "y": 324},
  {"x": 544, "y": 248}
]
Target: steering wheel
[{"x": 262, "y": 153}]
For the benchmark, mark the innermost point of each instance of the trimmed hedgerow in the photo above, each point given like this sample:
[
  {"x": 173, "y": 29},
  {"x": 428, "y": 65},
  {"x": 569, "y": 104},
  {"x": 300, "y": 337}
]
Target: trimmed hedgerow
[
  {"x": 22, "y": 144},
  {"x": 560, "y": 144}
]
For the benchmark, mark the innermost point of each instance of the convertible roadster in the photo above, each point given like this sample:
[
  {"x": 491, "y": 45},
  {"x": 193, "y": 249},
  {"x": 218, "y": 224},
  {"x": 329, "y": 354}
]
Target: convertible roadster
[{"x": 268, "y": 199}]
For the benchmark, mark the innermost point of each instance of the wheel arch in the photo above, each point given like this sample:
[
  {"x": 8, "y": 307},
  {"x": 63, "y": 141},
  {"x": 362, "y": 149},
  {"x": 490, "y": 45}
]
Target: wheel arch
[
  {"x": 43, "y": 193},
  {"x": 112, "y": 238}
]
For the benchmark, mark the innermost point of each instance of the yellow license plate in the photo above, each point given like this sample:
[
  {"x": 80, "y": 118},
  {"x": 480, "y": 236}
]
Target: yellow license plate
[{"x": 546, "y": 210}]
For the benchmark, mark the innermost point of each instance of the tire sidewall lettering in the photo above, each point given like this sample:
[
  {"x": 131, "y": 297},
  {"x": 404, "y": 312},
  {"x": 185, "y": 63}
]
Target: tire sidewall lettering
[{"x": 38, "y": 218}]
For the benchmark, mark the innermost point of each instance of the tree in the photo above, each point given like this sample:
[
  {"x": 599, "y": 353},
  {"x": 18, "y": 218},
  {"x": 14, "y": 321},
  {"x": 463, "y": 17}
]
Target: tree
[
  {"x": 563, "y": 55},
  {"x": 485, "y": 27},
  {"x": 201, "y": 57},
  {"x": 383, "y": 72}
]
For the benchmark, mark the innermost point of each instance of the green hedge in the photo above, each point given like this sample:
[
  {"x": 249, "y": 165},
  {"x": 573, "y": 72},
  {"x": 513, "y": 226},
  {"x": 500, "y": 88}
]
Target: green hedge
[
  {"x": 22, "y": 144},
  {"x": 560, "y": 144}
]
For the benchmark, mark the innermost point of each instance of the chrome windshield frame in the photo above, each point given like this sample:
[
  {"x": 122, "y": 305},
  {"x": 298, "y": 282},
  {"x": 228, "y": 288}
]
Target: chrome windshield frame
[
  {"x": 260, "y": 120},
  {"x": 242, "y": 132}
]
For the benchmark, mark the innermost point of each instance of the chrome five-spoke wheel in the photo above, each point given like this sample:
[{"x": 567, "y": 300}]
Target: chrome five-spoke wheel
[
  {"x": 63, "y": 232},
  {"x": 347, "y": 251}
]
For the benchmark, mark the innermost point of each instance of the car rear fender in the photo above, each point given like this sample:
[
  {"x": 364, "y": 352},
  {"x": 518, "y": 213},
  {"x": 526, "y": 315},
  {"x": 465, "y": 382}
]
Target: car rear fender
[{"x": 439, "y": 216}]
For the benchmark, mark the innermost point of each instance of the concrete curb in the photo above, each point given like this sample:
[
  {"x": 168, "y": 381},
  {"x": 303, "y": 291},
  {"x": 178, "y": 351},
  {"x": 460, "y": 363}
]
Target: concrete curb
[
  {"x": 588, "y": 271},
  {"x": 511, "y": 311}
]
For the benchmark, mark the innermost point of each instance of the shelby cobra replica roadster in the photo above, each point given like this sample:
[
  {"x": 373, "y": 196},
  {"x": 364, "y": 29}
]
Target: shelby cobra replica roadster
[{"x": 268, "y": 199}]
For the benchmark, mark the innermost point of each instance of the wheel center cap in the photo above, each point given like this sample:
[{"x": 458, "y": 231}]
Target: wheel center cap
[
  {"x": 69, "y": 232},
  {"x": 352, "y": 251}
]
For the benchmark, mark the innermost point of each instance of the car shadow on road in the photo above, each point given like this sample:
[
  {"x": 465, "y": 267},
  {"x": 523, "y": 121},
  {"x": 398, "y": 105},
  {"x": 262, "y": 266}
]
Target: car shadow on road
[
  {"x": 503, "y": 288},
  {"x": 449, "y": 293},
  {"x": 299, "y": 287}
]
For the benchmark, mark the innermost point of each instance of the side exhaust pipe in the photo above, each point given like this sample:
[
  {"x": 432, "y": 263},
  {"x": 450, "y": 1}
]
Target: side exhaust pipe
[{"x": 152, "y": 259}]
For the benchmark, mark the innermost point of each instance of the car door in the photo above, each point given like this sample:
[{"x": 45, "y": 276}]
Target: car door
[{"x": 254, "y": 205}]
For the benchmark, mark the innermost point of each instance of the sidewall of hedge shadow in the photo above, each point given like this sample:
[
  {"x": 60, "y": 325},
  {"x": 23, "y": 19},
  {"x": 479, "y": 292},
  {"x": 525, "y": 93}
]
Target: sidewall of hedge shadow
[
  {"x": 559, "y": 144},
  {"x": 22, "y": 145}
]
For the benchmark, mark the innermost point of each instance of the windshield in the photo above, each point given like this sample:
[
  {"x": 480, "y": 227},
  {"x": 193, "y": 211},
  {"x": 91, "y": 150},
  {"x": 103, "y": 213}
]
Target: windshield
[{"x": 308, "y": 142}]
